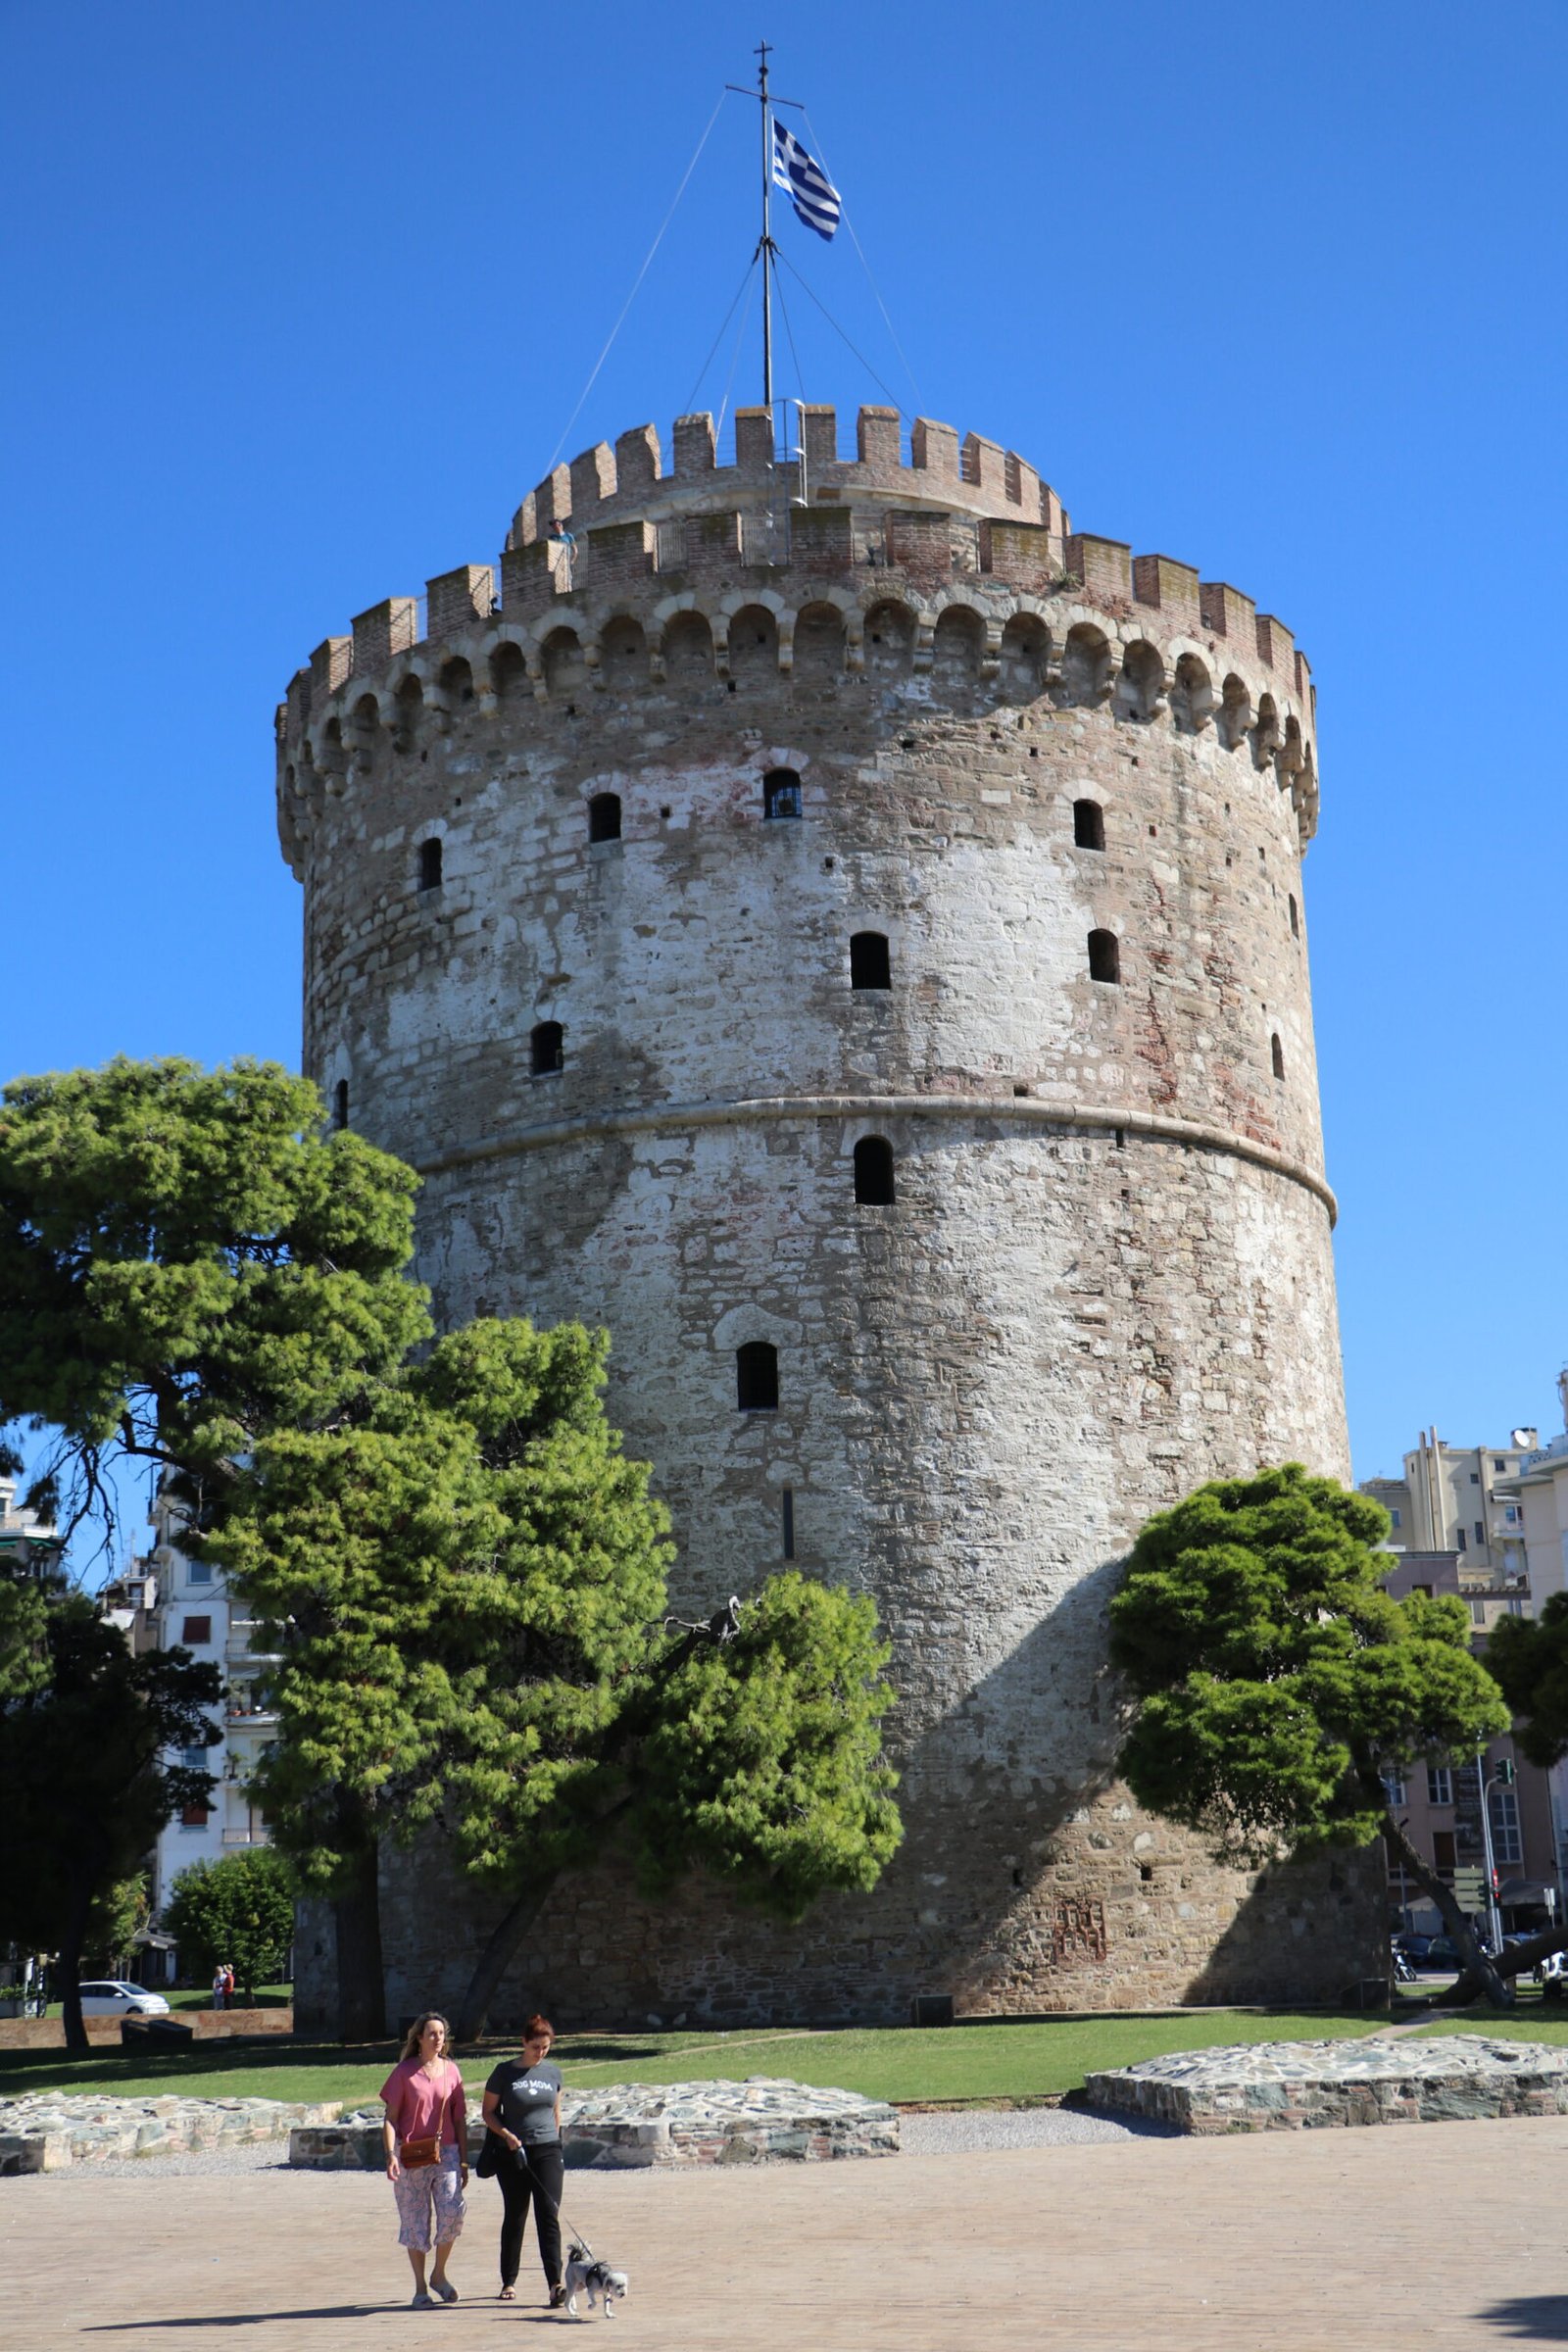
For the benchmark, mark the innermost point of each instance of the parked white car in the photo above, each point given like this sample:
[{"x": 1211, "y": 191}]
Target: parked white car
[{"x": 109, "y": 1998}]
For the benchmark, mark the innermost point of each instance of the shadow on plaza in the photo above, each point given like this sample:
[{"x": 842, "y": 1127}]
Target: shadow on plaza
[
  {"x": 246, "y": 2319},
  {"x": 1532, "y": 2319}
]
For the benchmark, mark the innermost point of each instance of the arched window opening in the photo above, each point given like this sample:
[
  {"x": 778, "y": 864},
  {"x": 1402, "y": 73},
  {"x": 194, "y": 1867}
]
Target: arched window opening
[
  {"x": 873, "y": 1172},
  {"x": 1025, "y": 658},
  {"x": 889, "y": 641},
  {"x": 1234, "y": 714},
  {"x": 546, "y": 1049},
  {"x": 958, "y": 645},
  {"x": 508, "y": 673},
  {"x": 757, "y": 1378},
  {"x": 1141, "y": 687},
  {"x": 565, "y": 670},
  {"x": 430, "y": 865},
  {"x": 1296, "y": 917},
  {"x": 604, "y": 817},
  {"x": 625, "y": 652},
  {"x": 688, "y": 648},
  {"x": 781, "y": 793},
  {"x": 1105, "y": 956},
  {"x": 870, "y": 965},
  {"x": 820, "y": 642},
  {"x": 410, "y": 700},
  {"x": 1085, "y": 666},
  {"x": 1277, "y": 1054},
  {"x": 752, "y": 644},
  {"x": 340, "y": 1104},
  {"x": 456, "y": 680},
  {"x": 1088, "y": 825},
  {"x": 1192, "y": 695}
]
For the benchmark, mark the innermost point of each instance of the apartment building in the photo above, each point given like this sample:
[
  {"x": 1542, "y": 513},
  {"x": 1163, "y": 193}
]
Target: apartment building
[
  {"x": 1438, "y": 1805},
  {"x": 196, "y": 1612},
  {"x": 1459, "y": 1498}
]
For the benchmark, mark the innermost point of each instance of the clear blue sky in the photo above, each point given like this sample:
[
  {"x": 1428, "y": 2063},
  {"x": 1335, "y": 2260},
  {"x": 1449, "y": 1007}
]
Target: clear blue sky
[{"x": 300, "y": 299}]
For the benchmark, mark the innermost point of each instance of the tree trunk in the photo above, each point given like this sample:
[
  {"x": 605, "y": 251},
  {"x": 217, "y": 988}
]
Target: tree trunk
[
  {"x": 360, "y": 1974},
  {"x": 1478, "y": 1975},
  {"x": 69, "y": 1961},
  {"x": 500, "y": 1950}
]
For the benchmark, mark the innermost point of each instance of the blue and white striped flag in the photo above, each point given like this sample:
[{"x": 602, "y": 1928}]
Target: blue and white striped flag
[{"x": 816, "y": 198}]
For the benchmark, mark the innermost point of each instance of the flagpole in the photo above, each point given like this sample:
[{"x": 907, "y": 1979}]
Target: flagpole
[{"x": 766, "y": 247}]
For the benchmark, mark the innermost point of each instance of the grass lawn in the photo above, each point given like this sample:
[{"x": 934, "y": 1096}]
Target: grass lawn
[{"x": 983, "y": 2061}]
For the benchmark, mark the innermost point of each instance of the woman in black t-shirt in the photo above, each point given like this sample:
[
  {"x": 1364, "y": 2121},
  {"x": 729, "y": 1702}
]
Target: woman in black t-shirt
[{"x": 522, "y": 2111}]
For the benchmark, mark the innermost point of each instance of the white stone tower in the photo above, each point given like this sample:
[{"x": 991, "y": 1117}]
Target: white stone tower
[{"x": 844, "y": 931}]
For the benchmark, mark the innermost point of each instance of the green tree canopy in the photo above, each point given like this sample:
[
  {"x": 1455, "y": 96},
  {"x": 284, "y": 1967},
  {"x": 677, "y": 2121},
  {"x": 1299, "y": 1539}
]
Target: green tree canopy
[
  {"x": 462, "y": 1577},
  {"x": 1278, "y": 1686},
  {"x": 238, "y": 1909},
  {"x": 186, "y": 1260}
]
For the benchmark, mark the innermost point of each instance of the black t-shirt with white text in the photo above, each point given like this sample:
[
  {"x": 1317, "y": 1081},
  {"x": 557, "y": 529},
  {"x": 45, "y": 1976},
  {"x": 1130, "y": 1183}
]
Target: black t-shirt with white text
[{"x": 525, "y": 2100}]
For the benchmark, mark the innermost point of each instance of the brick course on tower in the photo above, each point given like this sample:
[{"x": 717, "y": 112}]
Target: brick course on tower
[{"x": 560, "y": 955}]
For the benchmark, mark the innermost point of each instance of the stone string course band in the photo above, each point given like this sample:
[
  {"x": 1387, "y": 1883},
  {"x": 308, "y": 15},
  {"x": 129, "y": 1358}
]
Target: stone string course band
[
  {"x": 778, "y": 807},
  {"x": 866, "y": 1110}
]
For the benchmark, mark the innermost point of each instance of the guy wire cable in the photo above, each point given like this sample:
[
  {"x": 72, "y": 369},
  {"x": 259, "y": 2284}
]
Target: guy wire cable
[
  {"x": 636, "y": 282},
  {"x": 734, "y": 361},
  {"x": 719, "y": 338},
  {"x": 848, "y": 223},
  {"x": 839, "y": 331}
]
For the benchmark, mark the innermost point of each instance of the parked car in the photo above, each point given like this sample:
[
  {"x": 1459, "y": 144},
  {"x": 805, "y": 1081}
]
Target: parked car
[
  {"x": 1441, "y": 1952},
  {"x": 110, "y": 1996},
  {"x": 1415, "y": 1948}
]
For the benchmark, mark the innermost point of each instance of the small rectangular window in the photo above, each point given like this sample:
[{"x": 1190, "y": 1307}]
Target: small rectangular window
[
  {"x": 1440, "y": 1784},
  {"x": 1460, "y": 1543},
  {"x": 1513, "y": 1515},
  {"x": 1474, "y": 1478},
  {"x": 1481, "y": 1531},
  {"x": 1395, "y": 1519},
  {"x": 788, "y": 1501},
  {"x": 194, "y": 1759},
  {"x": 199, "y": 1572},
  {"x": 195, "y": 1817},
  {"x": 197, "y": 1629},
  {"x": 1394, "y": 1787},
  {"x": 1443, "y": 1856}
]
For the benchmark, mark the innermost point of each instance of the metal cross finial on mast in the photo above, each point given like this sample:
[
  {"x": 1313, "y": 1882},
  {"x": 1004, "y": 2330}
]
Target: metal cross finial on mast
[{"x": 767, "y": 250}]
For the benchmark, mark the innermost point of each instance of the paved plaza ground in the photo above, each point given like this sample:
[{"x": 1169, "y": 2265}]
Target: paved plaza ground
[{"x": 1424, "y": 2237}]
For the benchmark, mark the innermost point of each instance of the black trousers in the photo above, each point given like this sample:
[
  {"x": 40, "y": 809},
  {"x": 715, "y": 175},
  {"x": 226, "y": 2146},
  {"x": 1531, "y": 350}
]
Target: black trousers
[{"x": 539, "y": 2182}]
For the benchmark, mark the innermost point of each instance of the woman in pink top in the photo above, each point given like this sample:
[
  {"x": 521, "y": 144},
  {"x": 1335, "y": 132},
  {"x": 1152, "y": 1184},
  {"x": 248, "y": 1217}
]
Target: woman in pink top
[{"x": 424, "y": 2103}]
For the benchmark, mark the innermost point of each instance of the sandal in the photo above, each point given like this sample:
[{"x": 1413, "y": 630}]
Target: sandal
[
  {"x": 508, "y": 2294},
  {"x": 557, "y": 2297}
]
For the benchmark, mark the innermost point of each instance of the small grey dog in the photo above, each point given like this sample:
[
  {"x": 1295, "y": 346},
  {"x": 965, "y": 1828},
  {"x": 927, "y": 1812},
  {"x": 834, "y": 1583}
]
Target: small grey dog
[{"x": 597, "y": 2279}]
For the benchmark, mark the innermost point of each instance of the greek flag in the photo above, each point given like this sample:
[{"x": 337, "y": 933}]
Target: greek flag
[{"x": 814, "y": 197}]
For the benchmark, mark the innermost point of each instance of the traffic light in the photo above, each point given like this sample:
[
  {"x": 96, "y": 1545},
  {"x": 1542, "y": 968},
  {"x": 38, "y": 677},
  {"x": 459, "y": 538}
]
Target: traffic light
[
  {"x": 1496, "y": 1882},
  {"x": 1502, "y": 1773}
]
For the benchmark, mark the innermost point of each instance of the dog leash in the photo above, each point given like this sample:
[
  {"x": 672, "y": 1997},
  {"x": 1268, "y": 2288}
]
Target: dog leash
[{"x": 540, "y": 2190}]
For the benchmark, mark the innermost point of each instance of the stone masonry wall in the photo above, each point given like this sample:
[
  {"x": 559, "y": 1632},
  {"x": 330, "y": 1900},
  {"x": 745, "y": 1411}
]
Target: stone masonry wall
[{"x": 1106, "y": 1274}]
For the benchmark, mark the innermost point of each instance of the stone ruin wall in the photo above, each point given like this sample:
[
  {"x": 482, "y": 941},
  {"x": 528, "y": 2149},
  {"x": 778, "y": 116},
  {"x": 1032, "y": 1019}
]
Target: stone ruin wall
[{"x": 1105, "y": 1275}]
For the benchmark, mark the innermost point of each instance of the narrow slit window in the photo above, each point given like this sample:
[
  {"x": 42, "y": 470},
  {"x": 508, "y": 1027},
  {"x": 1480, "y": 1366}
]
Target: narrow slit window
[
  {"x": 1295, "y": 919},
  {"x": 873, "y": 1171},
  {"x": 870, "y": 965},
  {"x": 788, "y": 1499},
  {"x": 604, "y": 817},
  {"x": 1276, "y": 1055},
  {"x": 340, "y": 1103},
  {"x": 430, "y": 865},
  {"x": 781, "y": 793},
  {"x": 546, "y": 1049},
  {"x": 757, "y": 1377},
  {"x": 1088, "y": 825},
  {"x": 1105, "y": 956}
]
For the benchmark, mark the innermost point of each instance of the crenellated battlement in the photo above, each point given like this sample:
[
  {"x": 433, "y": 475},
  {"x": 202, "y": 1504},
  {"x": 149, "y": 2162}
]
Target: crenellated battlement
[
  {"x": 630, "y": 481},
  {"x": 984, "y": 593}
]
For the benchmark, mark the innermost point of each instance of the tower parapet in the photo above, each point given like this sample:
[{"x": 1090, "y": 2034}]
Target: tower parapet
[{"x": 838, "y": 913}]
